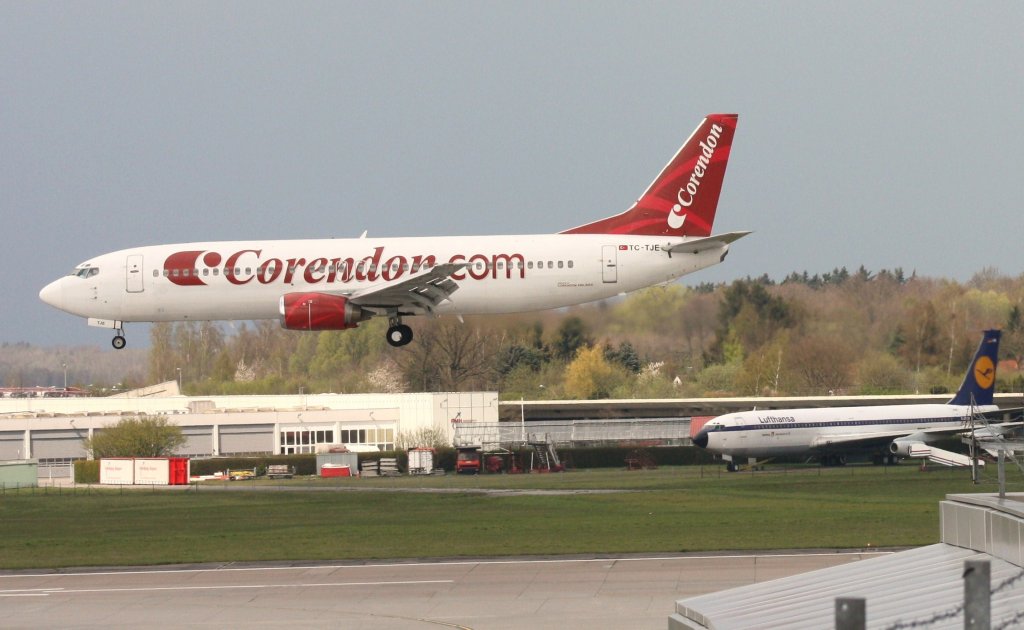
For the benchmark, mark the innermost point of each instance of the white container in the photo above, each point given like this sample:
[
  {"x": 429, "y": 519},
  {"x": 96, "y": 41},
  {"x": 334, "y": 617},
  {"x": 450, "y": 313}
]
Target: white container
[
  {"x": 116, "y": 471},
  {"x": 152, "y": 472},
  {"x": 421, "y": 461}
]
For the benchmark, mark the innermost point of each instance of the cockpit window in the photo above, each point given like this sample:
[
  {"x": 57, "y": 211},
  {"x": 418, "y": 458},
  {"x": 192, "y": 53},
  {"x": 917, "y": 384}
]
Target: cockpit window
[{"x": 85, "y": 272}]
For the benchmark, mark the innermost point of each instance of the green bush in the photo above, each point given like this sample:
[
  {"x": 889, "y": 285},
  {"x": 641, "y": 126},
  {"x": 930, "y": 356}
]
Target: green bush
[
  {"x": 616, "y": 456},
  {"x": 304, "y": 464},
  {"x": 87, "y": 471}
]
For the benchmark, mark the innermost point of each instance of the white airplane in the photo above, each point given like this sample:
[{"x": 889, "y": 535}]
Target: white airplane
[
  {"x": 333, "y": 284},
  {"x": 889, "y": 431}
]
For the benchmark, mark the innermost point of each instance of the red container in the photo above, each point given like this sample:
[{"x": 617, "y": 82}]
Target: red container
[
  {"x": 328, "y": 470},
  {"x": 179, "y": 471}
]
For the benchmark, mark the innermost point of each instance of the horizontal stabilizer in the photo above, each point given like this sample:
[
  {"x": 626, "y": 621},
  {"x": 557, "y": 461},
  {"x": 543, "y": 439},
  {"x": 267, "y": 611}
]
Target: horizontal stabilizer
[
  {"x": 697, "y": 245},
  {"x": 921, "y": 450}
]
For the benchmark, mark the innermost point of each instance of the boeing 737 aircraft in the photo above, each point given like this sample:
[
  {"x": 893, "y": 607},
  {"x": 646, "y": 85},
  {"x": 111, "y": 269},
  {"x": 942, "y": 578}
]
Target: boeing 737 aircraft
[
  {"x": 333, "y": 284},
  {"x": 832, "y": 433}
]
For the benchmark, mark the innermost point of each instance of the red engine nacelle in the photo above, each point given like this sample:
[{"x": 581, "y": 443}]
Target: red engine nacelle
[{"x": 319, "y": 311}]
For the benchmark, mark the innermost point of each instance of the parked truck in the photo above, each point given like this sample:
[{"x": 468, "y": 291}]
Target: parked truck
[{"x": 468, "y": 460}]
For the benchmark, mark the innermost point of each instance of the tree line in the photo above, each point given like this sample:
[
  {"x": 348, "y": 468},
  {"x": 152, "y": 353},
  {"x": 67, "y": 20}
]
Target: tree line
[{"x": 839, "y": 332}]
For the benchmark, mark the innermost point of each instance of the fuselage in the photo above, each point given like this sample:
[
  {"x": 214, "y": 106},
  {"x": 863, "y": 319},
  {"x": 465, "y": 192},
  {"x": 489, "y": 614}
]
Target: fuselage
[
  {"x": 762, "y": 434},
  {"x": 232, "y": 280}
]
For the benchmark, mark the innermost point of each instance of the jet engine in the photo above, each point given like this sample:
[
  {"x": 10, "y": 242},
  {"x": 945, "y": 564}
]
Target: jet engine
[
  {"x": 319, "y": 311},
  {"x": 903, "y": 448}
]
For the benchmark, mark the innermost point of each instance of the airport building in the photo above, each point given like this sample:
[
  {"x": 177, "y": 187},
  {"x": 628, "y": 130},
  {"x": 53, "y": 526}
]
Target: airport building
[{"x": 52, "y": 429}]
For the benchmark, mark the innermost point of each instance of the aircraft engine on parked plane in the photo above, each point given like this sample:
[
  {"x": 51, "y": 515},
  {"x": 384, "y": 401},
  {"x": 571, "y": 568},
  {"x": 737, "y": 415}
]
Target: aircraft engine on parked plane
[
  {"x": 903, "y": 447},
  {"x": 319, "y": 311}
]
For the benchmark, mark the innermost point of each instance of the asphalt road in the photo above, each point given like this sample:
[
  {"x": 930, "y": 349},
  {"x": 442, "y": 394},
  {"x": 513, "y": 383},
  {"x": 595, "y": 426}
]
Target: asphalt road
[{"x": 592, "y": 593}]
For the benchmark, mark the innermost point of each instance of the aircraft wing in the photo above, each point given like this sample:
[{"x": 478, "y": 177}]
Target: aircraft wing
[
  {"x": 858, "y": 440},
  {"x": 417, "y": 294},
  {"x": 880, "y": 438},
  {"x": 697, "y": 245}
]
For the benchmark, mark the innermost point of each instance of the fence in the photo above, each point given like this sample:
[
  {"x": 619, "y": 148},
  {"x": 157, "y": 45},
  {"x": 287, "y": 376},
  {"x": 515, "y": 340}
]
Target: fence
[{"x": 576, "y": 433}]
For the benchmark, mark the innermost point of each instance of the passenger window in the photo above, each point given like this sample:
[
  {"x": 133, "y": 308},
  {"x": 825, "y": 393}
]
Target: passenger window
[
  {"x": 570, "y": 264},
  {"x": 216, "y": 270},
  {"x": 551, "y": 265},
  {"x": 206, "y": 271},
  {"x": 559, "y": 264},
  {"x": 156, "y": 272},
  {"x": 529, "y": 265}
]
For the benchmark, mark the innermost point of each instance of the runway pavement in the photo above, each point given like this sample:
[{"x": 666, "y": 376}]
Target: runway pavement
[{"x": 592, "y": 593}]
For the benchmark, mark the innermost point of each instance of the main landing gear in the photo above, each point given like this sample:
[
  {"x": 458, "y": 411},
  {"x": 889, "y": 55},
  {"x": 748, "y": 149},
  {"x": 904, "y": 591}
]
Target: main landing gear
[
  {"x": 829, "y": 461},
  {"x": 398, "y": 333},
  {"x": 119, "y": 341}
]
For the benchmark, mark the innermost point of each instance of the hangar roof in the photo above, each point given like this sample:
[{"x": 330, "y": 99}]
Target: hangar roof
[
  {"x": 685, "y": 407},
  {"x": 920, "y": 588}
]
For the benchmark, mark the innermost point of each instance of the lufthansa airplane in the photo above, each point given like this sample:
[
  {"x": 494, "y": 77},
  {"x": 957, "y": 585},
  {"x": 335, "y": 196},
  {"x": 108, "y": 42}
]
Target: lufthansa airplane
[
  {"x": 334, "y": 284},
  {"x": 832, "y": 433}
]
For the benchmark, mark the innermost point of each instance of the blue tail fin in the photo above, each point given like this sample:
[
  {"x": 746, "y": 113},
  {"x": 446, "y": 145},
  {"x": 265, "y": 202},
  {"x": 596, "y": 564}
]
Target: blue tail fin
[{"x": 980, "y": 380}]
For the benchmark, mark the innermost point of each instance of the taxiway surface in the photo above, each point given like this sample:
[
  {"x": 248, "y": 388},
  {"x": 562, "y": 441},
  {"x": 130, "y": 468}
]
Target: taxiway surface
[{"x": 621, "y": 592}]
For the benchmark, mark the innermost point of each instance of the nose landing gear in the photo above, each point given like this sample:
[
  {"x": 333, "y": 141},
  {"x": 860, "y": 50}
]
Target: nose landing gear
[{"x": 119, "y": 341}]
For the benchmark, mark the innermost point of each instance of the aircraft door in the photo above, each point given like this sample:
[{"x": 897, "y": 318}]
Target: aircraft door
[
  {"x": 133, "y": 268},
  {"x": 609, "y": 264}
]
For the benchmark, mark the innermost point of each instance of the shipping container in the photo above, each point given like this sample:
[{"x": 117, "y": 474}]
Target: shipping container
[
  {"x": 117, "y": 471},
  {"x": 147, "y": 471}
]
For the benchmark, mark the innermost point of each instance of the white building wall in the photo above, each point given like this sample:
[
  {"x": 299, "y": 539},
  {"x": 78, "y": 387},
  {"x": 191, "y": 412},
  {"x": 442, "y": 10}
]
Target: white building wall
[{"x": 216, "y": 424}]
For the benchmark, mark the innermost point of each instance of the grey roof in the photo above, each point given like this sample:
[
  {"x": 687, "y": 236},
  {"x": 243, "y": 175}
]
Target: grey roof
[{"x": 922, "y": 585}]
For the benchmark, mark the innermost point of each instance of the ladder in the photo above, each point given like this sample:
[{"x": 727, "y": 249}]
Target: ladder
[{"x": 547, "y": 457}]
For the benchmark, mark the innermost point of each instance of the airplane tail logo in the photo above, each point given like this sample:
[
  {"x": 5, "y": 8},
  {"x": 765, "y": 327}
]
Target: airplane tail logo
[
  {"x": 683, "y": 199},
  {"x": 979, "y": 382}
]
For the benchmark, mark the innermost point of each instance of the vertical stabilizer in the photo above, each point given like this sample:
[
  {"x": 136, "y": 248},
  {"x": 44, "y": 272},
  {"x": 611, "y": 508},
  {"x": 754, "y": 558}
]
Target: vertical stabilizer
[
  {"x": 683, "y": 199},
  {"x": 980, "y": 380}
]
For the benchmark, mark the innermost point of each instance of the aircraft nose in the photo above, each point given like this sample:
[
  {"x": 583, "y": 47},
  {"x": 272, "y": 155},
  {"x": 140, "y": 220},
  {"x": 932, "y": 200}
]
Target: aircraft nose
[
  {"x": 701, "y": 439},
  {"x": 53, "y": 294}
]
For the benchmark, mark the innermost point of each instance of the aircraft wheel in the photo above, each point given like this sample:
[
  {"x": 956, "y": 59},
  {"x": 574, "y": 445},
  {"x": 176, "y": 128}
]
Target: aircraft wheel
[
  {"x": 399, "y": 335},
  {"x": 730, "y": 467},
  {"x": 118, "y": 342}
]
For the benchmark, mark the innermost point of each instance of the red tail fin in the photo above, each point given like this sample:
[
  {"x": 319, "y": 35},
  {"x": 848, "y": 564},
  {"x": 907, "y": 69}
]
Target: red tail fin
[{"x": 682, "y": 200}]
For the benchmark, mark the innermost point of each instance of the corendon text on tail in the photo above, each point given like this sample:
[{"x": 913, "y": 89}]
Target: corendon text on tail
[{"x": 333, "y": 284}]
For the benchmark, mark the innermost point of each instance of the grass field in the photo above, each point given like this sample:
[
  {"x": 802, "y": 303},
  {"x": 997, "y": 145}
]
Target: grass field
[{"x": 665, "y": 510}]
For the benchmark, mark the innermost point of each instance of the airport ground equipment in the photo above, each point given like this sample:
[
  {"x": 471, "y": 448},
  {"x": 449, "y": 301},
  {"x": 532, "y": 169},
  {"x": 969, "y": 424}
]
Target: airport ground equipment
[
  {"x": 467, "y": 461},
  {"x": 242, "y": 474},
  {"x": 280, "y": 471},
  {"x": 547, "y": 457},
  {"x": 421, "y": 461}
]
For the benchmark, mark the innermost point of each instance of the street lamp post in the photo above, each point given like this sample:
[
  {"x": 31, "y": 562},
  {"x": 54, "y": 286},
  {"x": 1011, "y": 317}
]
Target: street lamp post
[
  {"x": 179, "y": 379},
  {"x": 65, "y": 366}
]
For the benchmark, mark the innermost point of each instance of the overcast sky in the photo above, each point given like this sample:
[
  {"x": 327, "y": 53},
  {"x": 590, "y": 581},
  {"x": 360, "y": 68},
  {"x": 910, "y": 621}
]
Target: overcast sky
[{"x": 877, "y": 134}]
